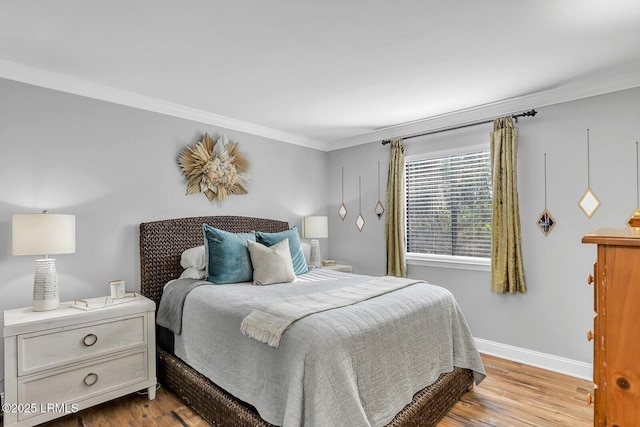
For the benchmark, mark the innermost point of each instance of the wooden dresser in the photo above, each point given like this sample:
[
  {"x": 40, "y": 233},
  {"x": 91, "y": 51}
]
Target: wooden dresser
[{"x": 616, "y": 327}]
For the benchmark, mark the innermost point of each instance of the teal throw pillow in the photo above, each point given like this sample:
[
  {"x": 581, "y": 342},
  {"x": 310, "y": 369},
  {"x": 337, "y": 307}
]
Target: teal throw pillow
[
  {"x": 297, "y": 255},
  {"x": 227, "y": 255}
]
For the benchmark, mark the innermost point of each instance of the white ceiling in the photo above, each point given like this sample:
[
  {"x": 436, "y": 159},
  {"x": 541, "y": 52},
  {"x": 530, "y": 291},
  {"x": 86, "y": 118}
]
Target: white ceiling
[{"x": 329, "y": 73}]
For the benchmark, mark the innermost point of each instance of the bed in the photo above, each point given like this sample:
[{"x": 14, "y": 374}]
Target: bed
[{"x": 161, "y": 246}]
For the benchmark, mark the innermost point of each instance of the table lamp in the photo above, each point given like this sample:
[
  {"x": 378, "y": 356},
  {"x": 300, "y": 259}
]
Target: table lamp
[
  {"x": 44, "y": 234},
  {"x": 314, "y": 228}
]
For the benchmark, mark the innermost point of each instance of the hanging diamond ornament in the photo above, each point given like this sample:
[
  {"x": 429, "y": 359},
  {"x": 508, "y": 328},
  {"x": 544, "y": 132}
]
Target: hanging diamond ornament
[
  {"x": 379, "y": 209},
  {"x": 342, "y": 211},
  {"x": 589, "y": 203},
  {"x": 634, "y": 221},
  {"x": 545, "y": 221},
  {"x": 360, "y": 222},
  {"x": 360, "y": 218}
]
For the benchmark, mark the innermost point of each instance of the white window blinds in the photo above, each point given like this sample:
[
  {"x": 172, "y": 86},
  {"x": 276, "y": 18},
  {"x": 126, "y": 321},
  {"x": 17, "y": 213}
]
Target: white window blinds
[{"x": 449, "y": 205}]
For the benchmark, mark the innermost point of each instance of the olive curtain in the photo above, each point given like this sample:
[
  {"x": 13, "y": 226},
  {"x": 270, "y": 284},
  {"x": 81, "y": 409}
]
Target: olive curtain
[
  {"x": 507, "y": 272},
  {"x": 394, "y": 222}
]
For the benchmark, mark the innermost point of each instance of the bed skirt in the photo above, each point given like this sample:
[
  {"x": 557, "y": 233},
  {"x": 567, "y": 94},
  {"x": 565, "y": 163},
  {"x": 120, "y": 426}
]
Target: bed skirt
[{"x": 219, "y": 408}]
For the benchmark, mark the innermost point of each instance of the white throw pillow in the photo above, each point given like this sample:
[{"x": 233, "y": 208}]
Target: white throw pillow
[
  {"x": 271, "y": 264},
  {"x": 193, "y": 273},
  {"x": 194, "y": 257}
]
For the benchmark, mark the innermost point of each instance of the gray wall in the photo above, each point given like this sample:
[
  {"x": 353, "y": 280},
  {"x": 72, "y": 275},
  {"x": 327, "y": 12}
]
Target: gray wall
[
  {"x": 114, "y": 167},
  {"x": 555, "y": 314}
]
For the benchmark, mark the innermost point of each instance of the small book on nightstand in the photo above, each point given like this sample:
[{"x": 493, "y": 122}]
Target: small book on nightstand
[{"x": 328, "y": 262}]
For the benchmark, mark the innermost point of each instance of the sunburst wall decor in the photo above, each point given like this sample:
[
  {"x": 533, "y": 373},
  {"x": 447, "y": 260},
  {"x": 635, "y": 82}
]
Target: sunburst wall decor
[{"x": 216, "y": 169}]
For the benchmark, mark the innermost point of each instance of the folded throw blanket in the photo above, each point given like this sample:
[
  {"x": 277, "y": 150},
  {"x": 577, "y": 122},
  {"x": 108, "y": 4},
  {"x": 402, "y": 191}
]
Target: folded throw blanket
[
  {"x": 267, "y": 324},
  {"x": 172, "y": 303}
]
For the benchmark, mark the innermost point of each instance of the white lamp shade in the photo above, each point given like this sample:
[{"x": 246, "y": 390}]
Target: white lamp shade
[
  {"x": 43, "y": 234},
  {"x": 315, "y": 227}
]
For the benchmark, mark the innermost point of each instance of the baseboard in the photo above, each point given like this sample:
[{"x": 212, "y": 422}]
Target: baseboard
[{"x": 546, "y": 361}]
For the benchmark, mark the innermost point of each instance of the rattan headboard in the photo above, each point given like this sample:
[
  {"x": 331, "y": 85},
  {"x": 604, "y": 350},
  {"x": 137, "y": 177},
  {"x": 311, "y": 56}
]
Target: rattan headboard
[{"x": 162, "y": 243}]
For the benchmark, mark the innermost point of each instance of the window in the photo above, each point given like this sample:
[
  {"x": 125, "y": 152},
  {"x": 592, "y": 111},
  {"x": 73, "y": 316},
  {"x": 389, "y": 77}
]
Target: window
[{"x": 449, "y": 206}]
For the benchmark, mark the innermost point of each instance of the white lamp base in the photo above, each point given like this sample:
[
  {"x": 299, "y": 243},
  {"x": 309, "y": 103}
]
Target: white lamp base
[
  {"x": 45, "y": 286},
  {"x": 315, "y": 256}
]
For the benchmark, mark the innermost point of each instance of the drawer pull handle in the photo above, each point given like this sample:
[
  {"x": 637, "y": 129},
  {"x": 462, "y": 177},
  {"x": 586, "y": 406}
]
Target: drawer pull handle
[
  {"x": 90, "y": 340},
  {"x": 590, "y": 399},
  {"x": 590, "y": 279},
  {"x": 91, "y": 379},
  {"x": 590, "y": 336}
]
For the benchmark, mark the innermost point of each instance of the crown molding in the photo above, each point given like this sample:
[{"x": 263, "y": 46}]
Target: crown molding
[
  {"x": 567, "y": 93},
  {"x": 571, "y": 92},
  {"x": 76, "y": 86}
]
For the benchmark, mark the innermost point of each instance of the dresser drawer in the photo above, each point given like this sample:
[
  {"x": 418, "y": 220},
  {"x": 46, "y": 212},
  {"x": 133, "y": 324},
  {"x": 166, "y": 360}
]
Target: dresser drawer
[
  {"x": 72, "y": 385},
  {"x": 53, "y": 348}
]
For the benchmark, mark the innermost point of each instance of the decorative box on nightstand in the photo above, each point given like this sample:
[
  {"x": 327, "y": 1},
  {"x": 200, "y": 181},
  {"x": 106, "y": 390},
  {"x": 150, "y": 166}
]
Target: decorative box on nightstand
[
  {"x": 61, "y": 361},
  {"x": 339, "y": 267}
]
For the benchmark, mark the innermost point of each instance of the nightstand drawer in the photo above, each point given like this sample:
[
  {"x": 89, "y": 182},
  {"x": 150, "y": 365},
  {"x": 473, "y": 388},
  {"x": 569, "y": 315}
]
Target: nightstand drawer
[
  {"x": 52, "y": 348},
  {"x": 83, "y": 382}
]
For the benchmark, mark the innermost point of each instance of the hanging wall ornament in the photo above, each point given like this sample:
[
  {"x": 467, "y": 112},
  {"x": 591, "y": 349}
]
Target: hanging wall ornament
[
  {"x": 546, "y": 221},
  {"x": 343, "y": 210},
  {"x": 216, "y": 169},
  {"x": 589, "y": 203},
  {"x": 634, "y": 221},
  {"x": 360, "y": 218},
  {"x": 379, "y": 209}
]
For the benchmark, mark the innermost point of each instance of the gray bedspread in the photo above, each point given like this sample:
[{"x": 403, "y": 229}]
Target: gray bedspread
[
  {"x": 357, "y": 365},
  {"x": 267, "y": 324}
]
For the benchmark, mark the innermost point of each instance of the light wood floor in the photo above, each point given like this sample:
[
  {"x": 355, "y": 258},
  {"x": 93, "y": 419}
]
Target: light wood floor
[{"x": 512, "y": 395}]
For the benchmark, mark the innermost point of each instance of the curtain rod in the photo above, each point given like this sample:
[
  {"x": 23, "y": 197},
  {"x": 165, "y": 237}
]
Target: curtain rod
[{"x": 530, "y": 113}]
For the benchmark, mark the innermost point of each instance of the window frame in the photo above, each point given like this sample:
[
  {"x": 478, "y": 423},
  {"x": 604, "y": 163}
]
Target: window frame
[{"x": 437, "y": 260}]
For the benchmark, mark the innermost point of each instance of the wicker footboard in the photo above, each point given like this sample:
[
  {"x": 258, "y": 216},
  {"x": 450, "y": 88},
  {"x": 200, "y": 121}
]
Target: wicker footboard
[{"x": 222, "y": 409}]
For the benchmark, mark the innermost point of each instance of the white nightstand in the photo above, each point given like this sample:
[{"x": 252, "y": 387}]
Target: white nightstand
[
  {"x": 339, "y": 267},
  {"x": 61, "y": 361}
]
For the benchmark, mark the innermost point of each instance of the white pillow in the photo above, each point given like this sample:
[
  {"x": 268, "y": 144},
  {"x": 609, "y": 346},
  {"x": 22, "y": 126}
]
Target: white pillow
[
  {"x": 193, "y": 273},
  {"x": 271, "y": 264},
  {"x": 194, "y": 257}
]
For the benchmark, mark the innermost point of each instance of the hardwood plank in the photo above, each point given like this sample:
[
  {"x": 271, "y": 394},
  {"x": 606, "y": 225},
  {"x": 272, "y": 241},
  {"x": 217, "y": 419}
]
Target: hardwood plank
[
  {"x": 513, "y": 394},
  {"x": 134, "y": 410}
]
